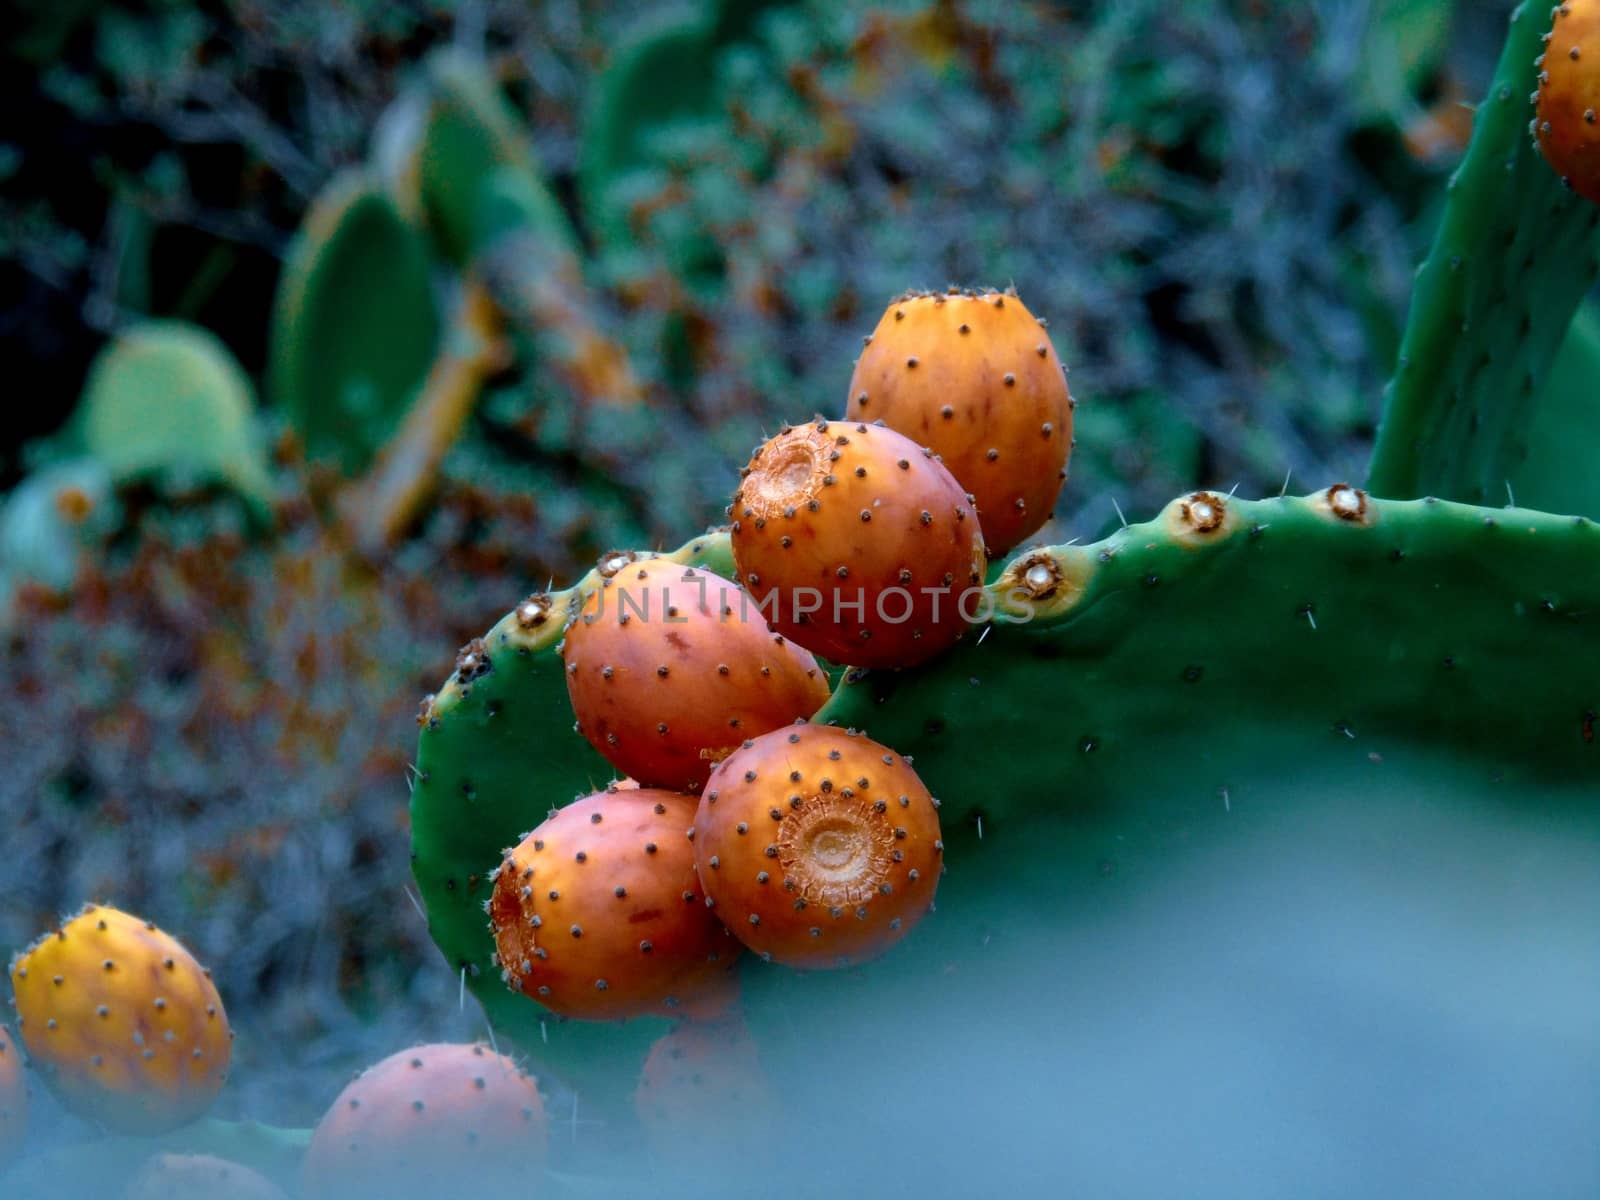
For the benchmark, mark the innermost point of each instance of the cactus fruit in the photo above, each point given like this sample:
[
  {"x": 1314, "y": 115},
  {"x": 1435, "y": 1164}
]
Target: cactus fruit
[
  {"x": 122, "y": 1022},
  {"x": 670, "y": 668},
  {"x": 702, "y": 1089},
  {"x": 598, "y": 913},
  {"x": 354, "y": 324},
  {"x": 1514, "y": 254},
  {"x": 13, "y": 1100},
  {"x": 199, "y": 1177},
  {"x": 420, "y": 1121},
  {"x": 1567, "y": 124},
  {"x": 167, "y": 400},
  {"x": 974, "y": 377},
  {"x": 861, "y": 546},
  {"x": 817, "y": 846}
]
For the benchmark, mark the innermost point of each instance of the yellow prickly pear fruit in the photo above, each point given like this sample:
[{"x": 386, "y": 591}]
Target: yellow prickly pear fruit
[{"x": 122, "y": 1022}]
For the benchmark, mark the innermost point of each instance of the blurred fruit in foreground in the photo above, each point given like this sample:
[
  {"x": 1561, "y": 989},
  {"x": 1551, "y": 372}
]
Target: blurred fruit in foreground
[
  {"x": 199, "y": 1177},
  {"x": 122, "y": 1022},
  {"x": 13, "y": 1100},
  {"x": 429, "y": 1118},
  {"x": 669, "y": 668},
  {"x": 703, "y": 1089},
  {"x": 865, "y": 548},
  {"x": 973, "y": 376},
  {"x": 598, "y": 913},
  {"x": 820, "y": 847}
]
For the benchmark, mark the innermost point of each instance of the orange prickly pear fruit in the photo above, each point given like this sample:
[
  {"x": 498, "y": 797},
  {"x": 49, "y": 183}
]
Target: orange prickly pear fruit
[
  {"x": 703, "y": 1089},
  {"x": 973, "y": 376},
  {"x": 1567, "y": 125},
  {"x": 122, "y": 1022},
  {"x": 13, "y": 1100},
  {"x": 859, "y": 544},
  {"x": 422, "y": 1121},
  {"x": 598, "y": 914},
  {"x": 818, "y": 846},
  {"x": 669, "y": 668},
  {"x": 199, "y": 1177}
]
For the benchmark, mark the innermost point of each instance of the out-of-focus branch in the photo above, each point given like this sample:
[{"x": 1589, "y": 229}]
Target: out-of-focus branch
[{"x": 378, "y": 508}]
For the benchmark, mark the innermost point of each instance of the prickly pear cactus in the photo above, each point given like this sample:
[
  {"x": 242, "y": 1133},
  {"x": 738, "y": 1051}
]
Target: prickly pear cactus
[
  {"x": 1157, "y": 674},
  {"x": 1513, "y": 257},
  {"x": 166, "y": 400},
  {"x": 122, "y": 1022},
  {"x": 354, "y": 324}
]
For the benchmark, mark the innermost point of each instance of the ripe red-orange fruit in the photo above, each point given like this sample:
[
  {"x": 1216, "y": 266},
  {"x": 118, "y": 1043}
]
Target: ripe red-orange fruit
[
  {"x": 702, "y": 1089},
  {"x": 973, "y": 376},
  {"x": 13, "y": 1100},
  {"x": 422, "y": 1121},
  {"x": 669, "y": 668},
  {"x": 818, "y": 846},
  {"x": 1568, "y": 122},
  {"x": 599, "y": 914},
  {"x": 859, "y": 545}
]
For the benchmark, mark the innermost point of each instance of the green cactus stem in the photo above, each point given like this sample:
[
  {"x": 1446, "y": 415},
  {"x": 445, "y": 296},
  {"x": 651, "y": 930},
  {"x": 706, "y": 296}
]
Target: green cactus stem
[{"x": 1513, "y": 257}]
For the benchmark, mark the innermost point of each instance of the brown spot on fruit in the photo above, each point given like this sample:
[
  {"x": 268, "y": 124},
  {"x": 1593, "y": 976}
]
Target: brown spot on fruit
[
  {"x": 987, "y": 378},
  {"x": 835, "y": 850}
]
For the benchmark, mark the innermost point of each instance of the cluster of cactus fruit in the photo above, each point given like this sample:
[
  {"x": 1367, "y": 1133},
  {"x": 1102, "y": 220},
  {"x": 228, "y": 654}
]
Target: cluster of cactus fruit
[
  {"x": 809, "y": 845},
  {"x": 858, "y": 588}
]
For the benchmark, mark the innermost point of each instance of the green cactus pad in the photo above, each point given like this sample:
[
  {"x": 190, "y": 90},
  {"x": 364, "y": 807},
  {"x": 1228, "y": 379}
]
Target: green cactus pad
[
  {"x": 166, "y": 400},
  {"x": 476, "y": 167},
  {"x": 354, "y": 324},
  {"x": 496, "y": 753},
  {"x": 660, "y": 74},
  {"x": 1417, "y": 621},
  {"x": 1513, "y": 257},
  {"x": 1560, "y": 473},
  {"x": 1158, "y": 673}
]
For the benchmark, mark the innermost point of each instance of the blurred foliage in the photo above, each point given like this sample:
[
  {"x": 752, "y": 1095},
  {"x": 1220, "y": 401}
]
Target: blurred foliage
[{"x": 687, "y": 222}]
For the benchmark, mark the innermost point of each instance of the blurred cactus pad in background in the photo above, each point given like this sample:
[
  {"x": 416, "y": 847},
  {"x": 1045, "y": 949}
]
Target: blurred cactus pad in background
[{"x": 346, "y": 340}]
